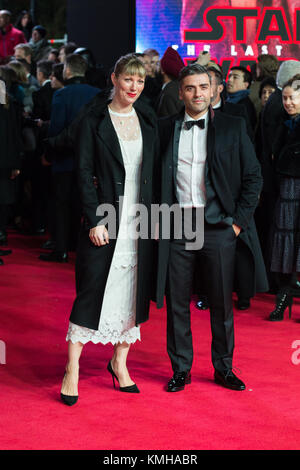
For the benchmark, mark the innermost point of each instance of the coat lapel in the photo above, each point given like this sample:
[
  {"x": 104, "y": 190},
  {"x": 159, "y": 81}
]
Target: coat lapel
[
  {"x": 108, "y": 135},
  {"x": 176, "y": 138}
]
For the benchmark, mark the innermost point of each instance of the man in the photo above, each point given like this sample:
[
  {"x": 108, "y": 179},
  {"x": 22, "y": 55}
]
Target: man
[
  {"x": 9, "y": 36},
  {"x": 208, "y": 163},
  {"x": 238, "y": 90},
  {"x": 39, "y": 44},
  {"x": 66, "y": 104},
  {"x": 24, "y": 52},
  {"x": 168, "y": 101}
]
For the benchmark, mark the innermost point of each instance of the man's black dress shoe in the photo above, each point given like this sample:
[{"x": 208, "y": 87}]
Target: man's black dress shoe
[
  {"x": 55, "y": 257},
  {"x": 5, "y": 252},
  {"x": 202, "y": 303},
  {"x": 178, "y": 381},
  {"x": 229, "y": 380},
  {"x": 48, "y": 245},
  {"x": 243, "y": 304},
  {"x": 1, "y": 262},
  {"x": 3, "y": 238}
]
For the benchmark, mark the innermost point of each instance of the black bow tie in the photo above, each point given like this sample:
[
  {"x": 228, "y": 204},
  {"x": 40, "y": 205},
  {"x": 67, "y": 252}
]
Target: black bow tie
[{"x": 200, "y": 123}]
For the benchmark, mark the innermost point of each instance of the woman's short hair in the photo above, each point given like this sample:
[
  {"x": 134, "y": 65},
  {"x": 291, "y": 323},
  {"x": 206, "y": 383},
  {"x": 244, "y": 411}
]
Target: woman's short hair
[
  {"x": 20, "y": 70},
  {"x": 131, "y": 65}
]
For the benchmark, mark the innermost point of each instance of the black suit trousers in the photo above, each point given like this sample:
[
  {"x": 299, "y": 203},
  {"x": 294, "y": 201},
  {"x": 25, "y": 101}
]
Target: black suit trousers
[{"x": 216, "y": 260}]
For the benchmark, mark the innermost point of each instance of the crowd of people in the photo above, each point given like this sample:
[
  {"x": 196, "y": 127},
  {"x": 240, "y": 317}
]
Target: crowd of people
[{"x": 47, "y": 95}]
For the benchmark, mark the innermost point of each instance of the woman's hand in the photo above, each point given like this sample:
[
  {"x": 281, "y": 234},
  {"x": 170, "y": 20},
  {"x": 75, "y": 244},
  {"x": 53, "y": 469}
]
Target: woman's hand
[
  {"x": 99, "y": 235},
  {"x": 236, "y": 229},
  {"x": 14, "y": 174}
]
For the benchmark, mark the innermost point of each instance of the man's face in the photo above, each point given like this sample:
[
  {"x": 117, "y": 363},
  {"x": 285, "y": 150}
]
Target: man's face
[
  {"x": 154, "y": 64},
  {"x": 235, "y": 82},
  {"x": 216, "y": 89},
  {"x": 36, "y": 36},
  {"x": 196, "y": 93},
  {"x": 146, "y": 59},
  {"x": 4, "y": 20}
]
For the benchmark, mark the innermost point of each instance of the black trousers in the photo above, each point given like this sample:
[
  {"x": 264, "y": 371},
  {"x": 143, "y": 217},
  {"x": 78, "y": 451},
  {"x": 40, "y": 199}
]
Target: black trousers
[
  {"x": 216, "y": 259},
  {"x": 67, "y": 210}
]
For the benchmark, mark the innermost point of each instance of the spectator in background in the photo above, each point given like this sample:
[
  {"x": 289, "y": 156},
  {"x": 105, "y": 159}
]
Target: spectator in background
[
  {"x": 53, "y": 56},
  {"x": 271, "y": 115},
  {"x": 39, "y": 44},
  {"x": 41, "y": 174},
  {"x": 9, "y": 36},
  {"x": 65, "y": 50},
  {"x": 29, "y": 86},
  {"x": 154, "y": 61},
  {"x": 285, "y": 259},
  {"x": 66, "y": 104},
  {"x": 266, "y": 67},
  {"x": 238, "y": 90},
  {"x": 10, "y": 138},
  {"x": 168, "y": 101},
  {"x": 24, "y": 23},
  {"x": 57, "y": 79}
]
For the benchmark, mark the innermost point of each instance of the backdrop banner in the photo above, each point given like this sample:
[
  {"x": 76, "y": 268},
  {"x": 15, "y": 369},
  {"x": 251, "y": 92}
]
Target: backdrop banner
[{"x": 235, "y": 32}]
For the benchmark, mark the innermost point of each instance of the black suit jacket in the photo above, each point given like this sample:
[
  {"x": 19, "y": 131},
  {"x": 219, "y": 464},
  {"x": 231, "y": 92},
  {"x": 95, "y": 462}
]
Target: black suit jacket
[
  {"x": 42, "y": 100},
  {"x": 236, "y": 177}
]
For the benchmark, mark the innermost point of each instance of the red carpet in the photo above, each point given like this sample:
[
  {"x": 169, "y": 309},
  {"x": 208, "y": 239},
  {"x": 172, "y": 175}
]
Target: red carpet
[{"x": 36, "y": 299}]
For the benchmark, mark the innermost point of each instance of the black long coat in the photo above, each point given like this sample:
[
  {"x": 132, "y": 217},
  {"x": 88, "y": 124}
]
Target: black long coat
[
  {"x": 10, "y": 149},
  {"x": 99, "y": 154},
  {"x": 236, "y": 177}
]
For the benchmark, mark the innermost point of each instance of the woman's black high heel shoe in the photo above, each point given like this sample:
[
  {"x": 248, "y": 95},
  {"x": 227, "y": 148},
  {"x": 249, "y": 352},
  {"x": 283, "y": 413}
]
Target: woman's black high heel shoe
[
  {"x": 283, "y": 301},
  {"x": 130, "y": 389},
  {"x": 69, "y": 399}
]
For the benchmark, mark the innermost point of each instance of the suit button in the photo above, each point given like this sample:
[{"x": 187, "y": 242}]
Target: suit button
[{"x": 145, "y": 181}]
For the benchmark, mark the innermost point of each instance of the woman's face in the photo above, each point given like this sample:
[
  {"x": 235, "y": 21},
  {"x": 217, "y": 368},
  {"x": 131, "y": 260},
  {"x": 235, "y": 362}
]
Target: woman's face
[
  {"x": 127, "y": 87},
  {"x": 55, "y": 84},
  {"x": 61, "y": 55},
  {"x": 266, "y": 93},
  {"x": 291, "y": 100},
  {"x": 25, "y": 20}
]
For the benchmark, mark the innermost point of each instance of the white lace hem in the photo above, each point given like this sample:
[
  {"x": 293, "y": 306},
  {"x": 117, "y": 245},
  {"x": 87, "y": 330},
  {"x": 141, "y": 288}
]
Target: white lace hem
[{"x": 77, "y": 333}]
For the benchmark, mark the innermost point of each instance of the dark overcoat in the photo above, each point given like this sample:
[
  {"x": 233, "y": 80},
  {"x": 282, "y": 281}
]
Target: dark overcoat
[
  {"x": 236, "y": 177},
  {"x": 99, "y": 154},
  {"x": 11, "y": 148}
]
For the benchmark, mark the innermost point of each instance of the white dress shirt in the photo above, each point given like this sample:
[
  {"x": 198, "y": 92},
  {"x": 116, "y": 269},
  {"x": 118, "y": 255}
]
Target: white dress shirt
[{"x": 190, "y": 177}]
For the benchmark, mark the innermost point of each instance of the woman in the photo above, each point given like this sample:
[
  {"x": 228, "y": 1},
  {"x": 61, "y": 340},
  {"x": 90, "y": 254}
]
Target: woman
[
  {"x": 24, "y": 23},
  {"x": 57, "y": 79},
  {"x": 286, "y": 239},
  {"x": 116, "y": 143}
]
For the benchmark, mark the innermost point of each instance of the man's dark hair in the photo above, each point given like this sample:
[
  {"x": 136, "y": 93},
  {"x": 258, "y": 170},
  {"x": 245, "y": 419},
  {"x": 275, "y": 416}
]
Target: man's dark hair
[
  {"x": 57, "y": 71},
  {"x": 45, "y": 66},
  {"x": 77, "y": 65},
  {"x": 192, "y": 69},
  {"x": 218, "y": 74},
  {"x": 246, "y": 74},
  {"x": 54, "y": 51},
  {"x": 69, "y": 47}
]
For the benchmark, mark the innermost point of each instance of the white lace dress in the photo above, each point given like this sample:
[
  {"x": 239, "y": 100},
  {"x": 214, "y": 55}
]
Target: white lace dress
[{"x": 118, "y": 313}]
